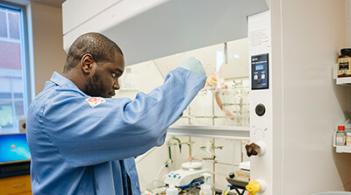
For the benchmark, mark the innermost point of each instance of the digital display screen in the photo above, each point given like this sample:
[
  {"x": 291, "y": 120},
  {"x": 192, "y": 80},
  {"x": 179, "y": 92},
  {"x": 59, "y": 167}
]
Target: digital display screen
[
  {"x": 13, "y": 147},
  {"x": 259, "y": 67},
  {"x": 260, "y": 71}
]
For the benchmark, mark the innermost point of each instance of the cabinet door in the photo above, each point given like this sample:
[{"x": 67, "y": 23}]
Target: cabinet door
[{"x": 15, "y": 185}]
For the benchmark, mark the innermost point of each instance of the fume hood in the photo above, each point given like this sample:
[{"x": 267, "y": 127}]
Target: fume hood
[
  {"x": 156, "y": 28},
  {"x": 282, "y": 58}
]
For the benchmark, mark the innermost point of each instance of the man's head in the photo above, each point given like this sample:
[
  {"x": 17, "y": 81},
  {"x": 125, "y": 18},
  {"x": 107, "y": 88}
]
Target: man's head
[{"x": 94, "y": 63}]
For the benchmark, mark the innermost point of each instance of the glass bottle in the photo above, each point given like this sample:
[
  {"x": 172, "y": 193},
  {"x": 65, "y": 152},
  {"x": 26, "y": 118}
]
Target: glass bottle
[
  {"x": 340, "y": 136},
  {"x": 344, "y": 63}
]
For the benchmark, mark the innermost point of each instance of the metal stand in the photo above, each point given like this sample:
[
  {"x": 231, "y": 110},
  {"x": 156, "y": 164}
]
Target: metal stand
[{"x": 239, "y": 189}]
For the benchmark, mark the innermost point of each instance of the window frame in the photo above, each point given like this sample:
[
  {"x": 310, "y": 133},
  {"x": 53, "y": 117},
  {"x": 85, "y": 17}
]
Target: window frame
[{"x": 25, "y": 51}]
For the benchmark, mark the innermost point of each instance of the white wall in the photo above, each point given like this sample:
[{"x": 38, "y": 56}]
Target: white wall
[
  {"x": 306, "y": 38},
  {"x": 49, "y": 55}
]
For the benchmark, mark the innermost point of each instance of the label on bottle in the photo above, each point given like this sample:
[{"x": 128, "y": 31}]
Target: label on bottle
[
  {"x": 348, "y": 138},
  {"x": 340, "y": 139},
  {"x": 344, "y": 68}
]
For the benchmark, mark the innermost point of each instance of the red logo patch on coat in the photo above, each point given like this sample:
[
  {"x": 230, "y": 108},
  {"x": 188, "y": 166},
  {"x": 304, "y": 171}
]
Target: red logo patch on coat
[{"x": 95, "y": 101}]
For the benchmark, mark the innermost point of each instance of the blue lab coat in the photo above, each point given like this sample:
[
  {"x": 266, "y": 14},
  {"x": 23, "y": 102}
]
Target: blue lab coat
[{"x": 79, "y": 148}]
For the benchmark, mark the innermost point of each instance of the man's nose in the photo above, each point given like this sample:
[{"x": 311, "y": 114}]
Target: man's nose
[{"x": 116, "y": 85}]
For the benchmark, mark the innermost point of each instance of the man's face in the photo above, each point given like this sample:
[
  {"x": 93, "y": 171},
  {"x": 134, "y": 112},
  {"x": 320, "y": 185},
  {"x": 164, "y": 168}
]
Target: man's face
[{"x": 104, "y": 80}]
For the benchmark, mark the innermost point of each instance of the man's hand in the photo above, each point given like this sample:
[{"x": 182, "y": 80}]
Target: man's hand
[{"x": 211, "y": 81}]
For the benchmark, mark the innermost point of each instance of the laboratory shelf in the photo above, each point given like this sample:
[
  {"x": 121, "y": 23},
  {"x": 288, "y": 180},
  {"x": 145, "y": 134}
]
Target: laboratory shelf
[
  {"x": 233, "y": 132},
  {"x": 343, "y": 81},
  {"x": 343, "y": 149}
]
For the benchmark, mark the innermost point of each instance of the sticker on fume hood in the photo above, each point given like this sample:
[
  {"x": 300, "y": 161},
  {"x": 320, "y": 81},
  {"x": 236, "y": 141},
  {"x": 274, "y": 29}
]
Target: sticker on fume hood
[{"x": 95, "y": 101}]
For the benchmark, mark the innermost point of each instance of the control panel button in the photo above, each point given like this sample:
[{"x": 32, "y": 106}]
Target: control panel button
[{"x": 260, "y": 109}]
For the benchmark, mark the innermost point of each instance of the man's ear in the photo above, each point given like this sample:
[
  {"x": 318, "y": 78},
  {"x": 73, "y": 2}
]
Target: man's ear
[{"x": 88, "y": 64}]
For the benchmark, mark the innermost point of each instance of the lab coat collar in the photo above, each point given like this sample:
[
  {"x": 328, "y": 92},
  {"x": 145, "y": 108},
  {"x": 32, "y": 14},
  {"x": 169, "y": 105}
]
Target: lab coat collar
[{"x": 60, "y": 80}]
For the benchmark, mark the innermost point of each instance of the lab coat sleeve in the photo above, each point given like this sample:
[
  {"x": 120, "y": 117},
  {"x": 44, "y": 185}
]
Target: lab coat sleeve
[{"x": 118, "y": 128}]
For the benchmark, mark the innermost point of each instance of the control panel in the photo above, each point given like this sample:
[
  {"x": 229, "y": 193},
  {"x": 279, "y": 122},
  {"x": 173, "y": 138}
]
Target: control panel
[
  {"x": 260, "y": 73},
  {"x": 260, "y": 148}
]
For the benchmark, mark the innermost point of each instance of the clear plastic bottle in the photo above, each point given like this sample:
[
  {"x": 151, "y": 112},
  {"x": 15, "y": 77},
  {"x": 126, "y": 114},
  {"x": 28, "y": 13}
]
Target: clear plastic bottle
[
  {"x": 171, "y": 190},
  {"x": 206, "y": 188},
  {"x": 340, "y": 137}
]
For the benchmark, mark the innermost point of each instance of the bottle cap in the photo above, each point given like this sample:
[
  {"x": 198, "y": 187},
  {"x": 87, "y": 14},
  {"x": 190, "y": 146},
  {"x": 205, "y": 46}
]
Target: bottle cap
[
  {"x": 341, "y": 127},
  {"x": 346, "y": 51}
]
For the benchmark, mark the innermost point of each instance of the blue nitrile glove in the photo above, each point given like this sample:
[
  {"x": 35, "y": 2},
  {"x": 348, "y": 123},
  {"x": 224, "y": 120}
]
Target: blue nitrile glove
[{"x": 193, "y": 65}]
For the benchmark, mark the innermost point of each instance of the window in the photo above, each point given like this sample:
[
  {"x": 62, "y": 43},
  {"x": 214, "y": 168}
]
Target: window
[{"x": 14, "y": 69}]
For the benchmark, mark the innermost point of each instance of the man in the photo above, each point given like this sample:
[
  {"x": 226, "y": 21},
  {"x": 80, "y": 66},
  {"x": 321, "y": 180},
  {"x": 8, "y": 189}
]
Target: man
[{"x": 84, "y": 142}]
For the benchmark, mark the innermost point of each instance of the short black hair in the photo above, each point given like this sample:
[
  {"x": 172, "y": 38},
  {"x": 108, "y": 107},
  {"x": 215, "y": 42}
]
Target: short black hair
[{"x": 96, "y": 44}]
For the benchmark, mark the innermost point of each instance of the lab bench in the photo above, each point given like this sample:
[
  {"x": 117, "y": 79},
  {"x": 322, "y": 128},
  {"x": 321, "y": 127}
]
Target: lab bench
[
  {"x": 15, "y": 178},
  {"x": 16, "y": 185}
]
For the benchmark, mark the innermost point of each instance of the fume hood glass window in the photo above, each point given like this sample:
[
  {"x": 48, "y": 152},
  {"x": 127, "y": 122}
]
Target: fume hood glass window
[
  {"x": 13, "y": 69},
  {"x": 227, "y": 107},
  {"x": 220, "y": 156}
]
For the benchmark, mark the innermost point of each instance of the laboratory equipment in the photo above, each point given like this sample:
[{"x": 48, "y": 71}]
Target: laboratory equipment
[
  {"x": 220, "y": 60},
  {"x": 260, "y": 71},
  {"x": 293, "y": 72},
  {"x": 261, "y": 166},
  {"x": 132, "y": 16},
  {"x": 256, "y": 186},
  {"x": 170, "y": 143},
  {"x": 189, "y": 176},
  {"x": 206, "y": 187},
  {"x": 255, "y": 149},
  {"x": 240, "y": 179},
  {"x": 171, "y": 190}
]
